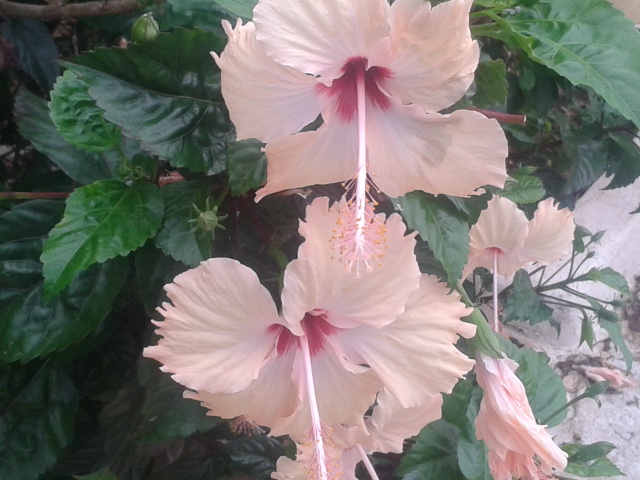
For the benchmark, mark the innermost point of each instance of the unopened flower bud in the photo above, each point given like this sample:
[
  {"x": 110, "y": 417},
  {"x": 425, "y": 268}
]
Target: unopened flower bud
[{"x": 144, "y": 28}]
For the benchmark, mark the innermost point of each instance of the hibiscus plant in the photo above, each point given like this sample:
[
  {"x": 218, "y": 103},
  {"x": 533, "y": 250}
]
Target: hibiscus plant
[{"x": 282, "y": 239}]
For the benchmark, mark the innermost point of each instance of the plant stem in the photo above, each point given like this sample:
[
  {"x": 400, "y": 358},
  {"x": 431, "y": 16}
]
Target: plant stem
[{"x": 32, "y": 195}]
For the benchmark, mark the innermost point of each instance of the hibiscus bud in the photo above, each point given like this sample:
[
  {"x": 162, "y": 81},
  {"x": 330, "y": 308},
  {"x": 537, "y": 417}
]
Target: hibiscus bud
[
  {"x": 144, "y": 28},
  {"x": 207, "y": 220}
]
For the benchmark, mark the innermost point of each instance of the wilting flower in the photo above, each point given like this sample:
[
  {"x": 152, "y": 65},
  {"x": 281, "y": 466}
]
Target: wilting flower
[
  {"x": 604, "y": 374},
  {"x": 386, "y": 430},
  {"x": 339, "y": 341},
  {"x": 518, "y": 446},
  {"x": 376, "y": 75},
  {"x": 503, "y": 235}
]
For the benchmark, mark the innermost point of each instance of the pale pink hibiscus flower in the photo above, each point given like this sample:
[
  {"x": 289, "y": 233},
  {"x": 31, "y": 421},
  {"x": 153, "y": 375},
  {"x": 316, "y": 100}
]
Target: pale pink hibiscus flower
[
  {"x": 376, "y": 75},
  {"x": 503, "y": 240},
  {"x": 339, "y": 341},
  {"x": 518, "y": 447}
]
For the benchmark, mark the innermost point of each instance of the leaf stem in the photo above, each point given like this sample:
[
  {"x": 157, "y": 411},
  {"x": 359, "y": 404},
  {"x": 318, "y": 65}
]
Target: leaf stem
[{"x": 32, "y": 195}]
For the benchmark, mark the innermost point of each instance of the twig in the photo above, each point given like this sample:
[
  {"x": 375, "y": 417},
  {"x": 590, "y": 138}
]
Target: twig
[
  {"x": 32, "y": 195},
  {"x": 502, "y": 117},
  {"x": 68, "y": 10}
]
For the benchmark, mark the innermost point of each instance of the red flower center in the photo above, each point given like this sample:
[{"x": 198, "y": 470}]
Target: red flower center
[
  {"x": 316, "y": 329},
  {"x": 345, "y": 88}
]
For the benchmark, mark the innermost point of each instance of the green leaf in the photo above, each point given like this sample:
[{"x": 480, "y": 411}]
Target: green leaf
[
  {"x": 165, "y": 414},
  {"x": 624, "y": 161},
  {"x": 153, "y": 271},
  {"x": 586, "y": 453},
  {"x": 491, "y": 84},
  {"x": 523, "y": 189},
  {"x": 37, "y": 407},
  {"x": 101, "y": 221},
  {"x": 587, "y": 335},
  {"x": 496, "y": 3},
  {"x": 523, "y": 303},
  {"x": 77, "y": 118},
  {"x": 590, "y": 43},
  {"x": 615, "y": 333},
  {"x": 590, "y": 460},
  {"x": 241, "y": 8},
  {"x": 485, "y": 339},
  {"x": 542, "y": 384},
  {"x": 434, "y": 456},
  {"x": 102, "y": 474},
  {"x": 34, "y": 124},
  {"x": 578, "y": 238},
  {"x": 442, "y": 227},
  {"x": 472, "y": 453},
  {"x": 147, "y": 415},
  {"x": 31, "y": 325},
  {"x": 256, "y": 456},
  {"x": 610, "y": 278},
  {"x": 165, "y": 93},
  {"x": 37, "y": 52},
  {"x": 247, "y": 166},
  {"x": 588, "y": 157},
  {"x": 175, "y": 237}
]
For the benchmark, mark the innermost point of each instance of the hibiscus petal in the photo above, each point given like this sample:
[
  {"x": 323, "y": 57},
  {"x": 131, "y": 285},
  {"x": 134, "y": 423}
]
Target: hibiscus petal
[
  {"x": 317, "y": 280},
  {"x": 270, "y": 400},
  {"x": 449, "y": 154},
  {"x": 265, "y": 99},
  {"x": 392, "y": 424},
  {"x": 501, "y": 225},
  {"x": 550, "y": 234},
  {"x": 343, "y": 394},
  {"x": 326, "y": 155},
  {"x": 319, "y": 37},
  {"x": 430, "y": 52},
  {"x": 415, "y": 356},
  {"x": 213, "y": 338}
]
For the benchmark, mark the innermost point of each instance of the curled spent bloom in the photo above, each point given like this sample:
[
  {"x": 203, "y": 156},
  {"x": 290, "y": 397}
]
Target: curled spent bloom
[
  {"x": 503, "y": 240},
  {"x": 337, "y": 337},
  {"x": 376, "y": 75},
  {"x": 518, "y": 447},
  {"x": 602, "y": 374}
]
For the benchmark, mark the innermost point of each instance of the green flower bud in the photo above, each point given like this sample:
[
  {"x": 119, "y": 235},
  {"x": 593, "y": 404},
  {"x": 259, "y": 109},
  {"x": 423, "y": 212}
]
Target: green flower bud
[
  {"x": 207, "y": 220},
  {"x": 144, "y": 28}
]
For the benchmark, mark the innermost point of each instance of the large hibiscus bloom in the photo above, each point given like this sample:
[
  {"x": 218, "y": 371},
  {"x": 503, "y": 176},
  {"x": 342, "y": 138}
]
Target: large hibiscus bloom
[
  {"x": 377, "y": 75},
  {"x": 518, "y": 446},
  {"x": 340, "y": 339}
]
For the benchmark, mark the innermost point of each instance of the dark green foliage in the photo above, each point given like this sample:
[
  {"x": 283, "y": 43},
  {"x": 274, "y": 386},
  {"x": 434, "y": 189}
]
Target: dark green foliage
[
  {"x": 33, "y": 326},
  {"x": 36, "y": 126},
  {"x": 81, "y": 278},
  {"x": 37, "y": 404},
  {"x": 445, "y": 230},
  {"x": 524, "y": 303},
  {"x": 37, "y": 52},
  {"x": 101, "y": 221},
  {"x": 177, "y": 237},
  {"x": 165, "y": 93}
]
